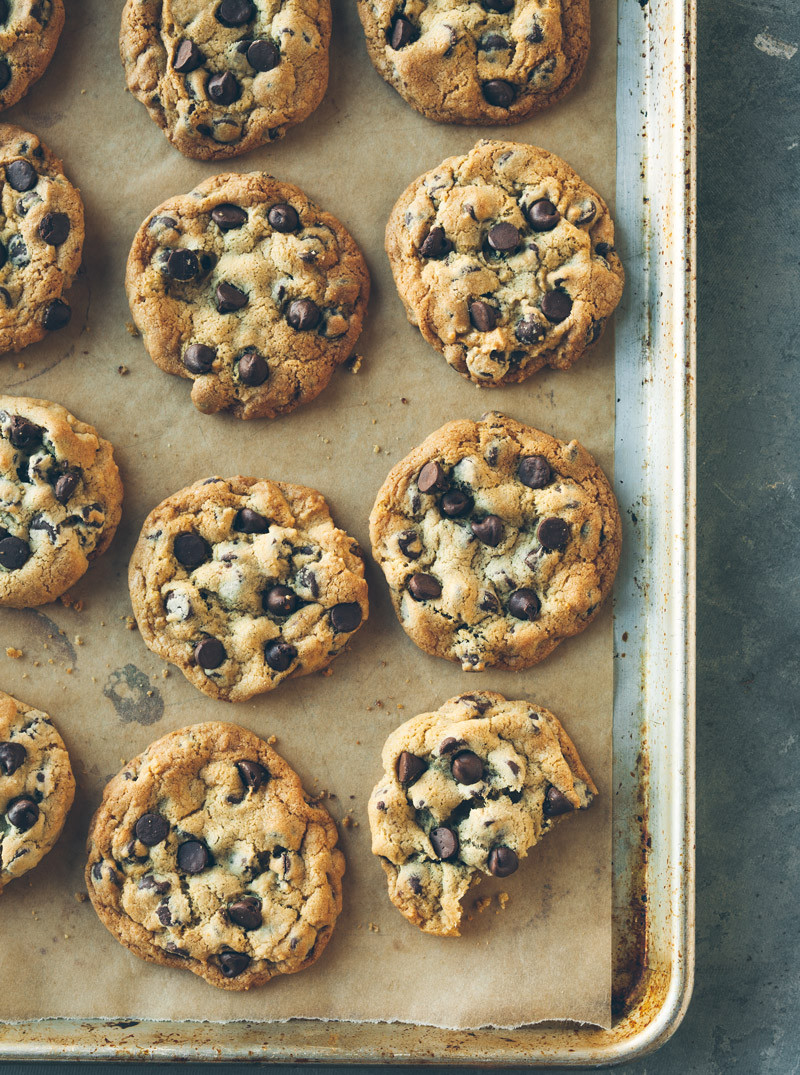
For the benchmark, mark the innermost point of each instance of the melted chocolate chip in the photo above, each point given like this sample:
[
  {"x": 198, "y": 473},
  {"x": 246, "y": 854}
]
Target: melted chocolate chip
[
  {"x": 494, "y": 41},
  {"x": 455, "y": 503},
  {"x": 253, "y": 369},
  {"x": 447, "y": 746},
  {"x": 467, "y": 767},
  {"x": 149, "y": 884},
  {"x": 482, "y": 315},
  {"x": 436, "y": 245},
  {"x": 263, "y": 55},
  {"x": 228, "y": 217},
  {"x": 488, "y": 602},
  {"x": 555, "y": 803},
  {"x": 409, "y": 768},
  {"x": 56, "y": 315},
  {"x": 230, "y": 298},
  {"x": 190, "y": 549},
  {"x": 223, "y": 89},
  {"x": 502, "y": 6},
  {"x": 151, "y": 829},
  {"x": 246, "y": 912},
  {"x": 280, "y": 601},
  {"x": 198, "y": 358},
  {"x": 24, "y": 434},
  {"x": 503, "y": 861},
  {"x": 164, "y": 914},
  {"x": 402, "y": 33},
  {"x": 499, "y": 93},
  {"x": 193, "y": 856},
  {"x": 543, "y": 215},
  {"x": 279, "y": 655},
  {"x": 534, "y": 471},
  {"x": 503, "y": 238},
  {"x": 248, "y": 521},
  {"x": 14, "y": 553},
  {"x": 188, "y": 57},
  {"x": 54, "y": 228},
  {"x": 432, "y": 478},
  {"x": 21, "y": 175},
  {"x": 346, "y": 617},
  {"x": 303, "y": 315},
  {"x": 529, "y": 330},
  {"x": 410, "y": 544},
  {"x": 252, "y": 773},
  {"x": 22, "y": 813},
  {"x": 422, "y": 587},
  {"x": 232, "y": 964},
  {"x": 235, "y": 12},
  {"x": 556, "y": 306},
  {"x": 553, "y": 533},
  {"x": 489, "y": 530},
  {"x": 12, "y": 755},
  {"x": 444, "y": 842},
  {"x": 524, "y": 604},
  {"x": 284, "y": 218},
  {"x": 66, "y": 485},
  {"x": 209, "y": 654}
]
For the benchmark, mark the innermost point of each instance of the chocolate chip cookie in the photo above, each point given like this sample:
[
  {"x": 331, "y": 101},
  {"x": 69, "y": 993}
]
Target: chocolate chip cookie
[
  {"x": 469, "y": 790},
  {"x": 29, "y": 33},
  {"x": 207, "y": 855},
  {"x": 223, "y": 77},
  {"x": 41, "y": 239},
  {"x": 36, "y": 787},
  {"x": 497, "y": 542},
  {"x": 60, "y": 500},
  {"x": 504, "y": 259},
  {"x": 493, "y": 62},
  {"x": 244, "y": 583},
  {"x": 249, "y": 290}
]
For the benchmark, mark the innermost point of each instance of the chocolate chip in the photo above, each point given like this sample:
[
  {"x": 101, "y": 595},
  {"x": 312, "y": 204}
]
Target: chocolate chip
[
  {"x": 3, "y": 255},
  {"x": 164, "y": 914},
  {"x": 307, "y": 578},
  {"x": 587, "y": 214},
  {"x": 422, "y": 587},
  {"x": 603, "y": 249},
  {"x": 499, "y": 93},
  {"x": 432, "y": 478},
  {"x": 230, "y": 298},
  {"x": 536, "y": 34},
  {"x": 263, "y": 55},
  {"x": 455, "y": 503},
  {"x": 21, "y": 175},
  {"x": 410, "y": 544},
  {"x": 346, "y": 617},
  {"x": 498, "y": 5},
  {"x": 409, "y": 767},
  {"x": 503, "y": 238},
  {"x": 181, "y": 264},
  {"x": 54, "y": 228},
  {"x": 253, "y": 774},
  {"x": 228, "y": 217},
  {"x": 56, "y": 315},
  {"x": 436, "y": 244},
  {"x": 489, "y": 530},
  {"x": 415, "y": 884},
  {"x": 198, "y": 358},
  {"x": 190, "y": 549},
  {"x": 209, "y": 654},
  {"x": 151, "y": 829},
  {"x": 467, "y": 767},
  {"x": 163, "y": 222},
  {"x": 280, "y": 601},
  {"x": 232, "y": 964},
  {"x": 246, "y": 912},
  {"x": 543, "y": 215},
  {"x": 444, "y": 842},
  {"x": 12, "y": 755},
  {"x": 66, "y": 485},
  {"x": 235, "y": 12},
  {"x": 283, "y": 218},
  {"x": 14, "y": 552},
  {"x": 482, "y": 315},
  {"x": 556, "y": 306},
  {"x": 303, "y": 315},
  {"x": 253, "y": 369},
  {"x": 5, "y": 73},
  {"x": 529, "y": 330},
  {"x": 248, "y": 521},
  {"x": 534, "y": 471},
  {"x": 503, "y": 861},
  {"x": 555, "y": 803},
  {"x": 553, "y": 533},
  {"x": 595, "y": 331},
  {"x": 447, "y": 746},
  {"x": 24, "y": 434},
  {"x": 494, "y": 41},
  {"x": 188, "y": 57},
  {"x": 22, "y": 813},
  {"x": 488, "y": 602},
  {"x": 279, "y": 655},
  {"x": 524, "y": 604},
  {"x": 403, "y": 32},
  {"x": 149, "y": 884},
  {"x": 193, "y": 856},
  {"x": 18, "y": 252}
]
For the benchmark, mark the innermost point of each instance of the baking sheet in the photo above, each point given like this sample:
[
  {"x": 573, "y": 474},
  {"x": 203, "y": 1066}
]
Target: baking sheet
[{"x": 106, "y": 691}]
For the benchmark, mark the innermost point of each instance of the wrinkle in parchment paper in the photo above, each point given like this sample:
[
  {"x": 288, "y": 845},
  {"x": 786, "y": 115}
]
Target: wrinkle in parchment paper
[{"x": 545, "y": 951}]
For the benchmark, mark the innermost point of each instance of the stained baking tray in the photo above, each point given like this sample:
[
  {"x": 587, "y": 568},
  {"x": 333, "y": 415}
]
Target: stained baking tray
[{"x": 653, "y": 632}]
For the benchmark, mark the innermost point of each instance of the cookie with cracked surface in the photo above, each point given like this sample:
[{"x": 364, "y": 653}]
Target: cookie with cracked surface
[
  {"x": 223, "y": 77},
  {"x": 243, "y": 583},
  {"x": 60, "y": 500},
  {"x": 29, "y": 33},
  {"x": 504, "y": 259},
  {"x": 36, "y": 787},
  {"x": 469, "y": 790},
  {"x": 41, "y": 239},
  {"x": 497, "y": 542},
  {"x": 250, "y": 290},
  {"x": 494, "y": 62},
  {"x": 207, "y": 855}
]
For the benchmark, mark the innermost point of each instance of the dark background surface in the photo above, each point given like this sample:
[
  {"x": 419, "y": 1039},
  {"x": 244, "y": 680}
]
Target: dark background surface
[{"x": 744, "y": 1015}]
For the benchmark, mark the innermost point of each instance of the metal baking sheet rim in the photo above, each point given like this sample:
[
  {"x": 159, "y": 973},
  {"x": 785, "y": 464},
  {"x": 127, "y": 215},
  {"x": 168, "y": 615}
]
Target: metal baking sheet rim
[{"x": 654, "y": 632}]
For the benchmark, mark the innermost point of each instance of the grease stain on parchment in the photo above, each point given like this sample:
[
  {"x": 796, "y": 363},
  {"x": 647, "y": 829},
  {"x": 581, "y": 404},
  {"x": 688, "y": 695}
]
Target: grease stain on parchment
[{"x": 133, "y": 696}]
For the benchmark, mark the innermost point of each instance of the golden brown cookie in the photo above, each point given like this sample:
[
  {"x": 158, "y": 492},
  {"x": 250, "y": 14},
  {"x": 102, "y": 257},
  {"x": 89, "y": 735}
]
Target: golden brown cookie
[
  {"x": 244, "y": 583},
  {"x": 248, "y": 289},
  {"x": 207, "y": 855},
  {"x": 469, "y": 790},
  {"x": 36, "y": 787},
  {"x": 221, "y": 77},
  {"x": 29, "y": 33},
  {"x": 497, "y": 542},
  {"x": 494, "y": 62},
  {"x": 41, "y": 239},
  {"x": 60, "y": 500},
  {"x": 504, "y": 259}
]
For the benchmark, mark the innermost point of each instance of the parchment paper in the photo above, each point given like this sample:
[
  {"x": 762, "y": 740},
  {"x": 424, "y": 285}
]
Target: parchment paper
[{"x": 547, "y": 955}]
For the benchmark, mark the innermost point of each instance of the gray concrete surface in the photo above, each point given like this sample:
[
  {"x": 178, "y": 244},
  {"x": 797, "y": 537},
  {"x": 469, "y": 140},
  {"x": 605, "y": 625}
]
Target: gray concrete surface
[{"x": 744, "y": 1015}]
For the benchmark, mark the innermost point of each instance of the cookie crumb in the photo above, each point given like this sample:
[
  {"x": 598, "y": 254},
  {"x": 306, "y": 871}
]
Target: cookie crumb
[
  {"x": 482, "y": 904},
  {"x": 82, "y": 897},
  {"x": 78, "y": 640},
  {"x": 502, "y": 899},
  {"x": 403, "y": 399},
  {"x": 373, "y": 928},
  {"x": 122, "y": 370},
  {"x": 132, "y": 329},
  {"x": 273, "y": 739},
  {"x": 13, "y": 653},
  {"x": 20, "y": 365},
  {"x": 326, "y": 672},
  {"x": 130, "y": 623},
  {"x": 165, "y": 673},
  {"x": 68, "y": 601},
  {"x": 376, "y": 449},
  {"x": 353, "y": 363}
]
